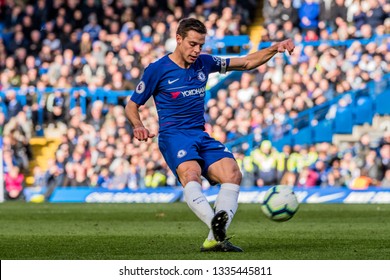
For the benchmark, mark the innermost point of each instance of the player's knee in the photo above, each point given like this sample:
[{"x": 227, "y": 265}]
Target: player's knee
[
  {"x": 237, "y": 176},
  {"x": 234, "y": 176},
  {"x": 189, "y": 176}
]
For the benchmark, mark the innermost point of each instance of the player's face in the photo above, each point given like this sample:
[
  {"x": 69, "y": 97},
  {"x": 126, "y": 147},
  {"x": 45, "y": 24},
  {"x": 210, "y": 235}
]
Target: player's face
[{"x": 191, "y": 46}]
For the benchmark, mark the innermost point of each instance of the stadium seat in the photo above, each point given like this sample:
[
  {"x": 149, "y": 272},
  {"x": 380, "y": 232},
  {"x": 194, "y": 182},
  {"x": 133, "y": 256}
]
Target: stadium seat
[
  {"x": 364, "y": 110},
  {"x": 303, "y": 136},
  {"x": 22, "y": 99},
  {"x": 3, "y": 108},
  {"x": 322, "y": 132},
  {"x": 286, "y": 140},
  {"x": 343, "y": 122},
  {"x": 382, "y": 104},
  {"x": 219, "y": 46}
]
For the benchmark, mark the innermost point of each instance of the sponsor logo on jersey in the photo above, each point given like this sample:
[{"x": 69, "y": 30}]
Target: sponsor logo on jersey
[
  {"x": 175, "y": 94},
  {"x": 196, "y": 91},
  {"x": 140, "y": 87}
]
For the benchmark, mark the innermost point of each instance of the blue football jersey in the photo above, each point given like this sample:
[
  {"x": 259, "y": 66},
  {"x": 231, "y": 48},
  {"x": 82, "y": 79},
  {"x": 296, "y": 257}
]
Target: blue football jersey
[{"x": 179, "y": 94}]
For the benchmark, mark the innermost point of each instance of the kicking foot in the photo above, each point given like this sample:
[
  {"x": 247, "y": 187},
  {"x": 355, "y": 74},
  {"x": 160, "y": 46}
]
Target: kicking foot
[
  {"x": 215, "y": 246},
  {"x": 218, "y": 224}
]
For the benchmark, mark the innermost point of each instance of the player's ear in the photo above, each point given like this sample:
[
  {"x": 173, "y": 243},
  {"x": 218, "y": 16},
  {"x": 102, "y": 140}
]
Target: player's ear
[{"x": 179, "y": 39}]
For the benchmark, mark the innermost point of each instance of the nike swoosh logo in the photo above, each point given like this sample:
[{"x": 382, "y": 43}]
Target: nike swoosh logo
[
  {"x": 171, "y": 82},
  {"x": 316, "y": 198}
]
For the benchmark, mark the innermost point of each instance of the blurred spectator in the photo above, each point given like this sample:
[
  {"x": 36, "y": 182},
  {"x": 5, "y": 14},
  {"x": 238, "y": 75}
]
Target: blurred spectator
[
  {"x": 307, "y": 178},
  {"x": 96, "y": 120},
  {"x": 13, "y": 105},
  {"x": 361, "y": 149},
  {"x": 104, "y": 178},
  {"x": 359, "y": 17},
  {"x": 335, "y": 179},
  {"x": 289, "y": 179},
  {"x": 266, "y": 160},
  {"x": 385, "y": 140},
  {"x": 92, "y": 28},
  {"x": 289, "y": 13},
  {"x": 373, "y": 166},
  {"x": 55, "y": 106},
  {"x": 76, "y": 175},
  {"x": 375, "y": 15},
  {"x": 13, "y": 181},
  {"x": 309, "y": 15},
  {"x": 332, "y": 13},
  {"x": 19, "y": 132},
  {"x": 386, "y": 180},
  {"x": 120, "y": 177},
  {"x": 321, "y": 169},
  {"x": 39, "y": 177},
  {"x": 384, "y": 156},
  {"x": 2, "y": 123},
  {"x": 55, "y": 173},
  {"x": 272, "y": 12},
  {"x": 362, "y": 181},
  {"x": 154, "y": 176}
]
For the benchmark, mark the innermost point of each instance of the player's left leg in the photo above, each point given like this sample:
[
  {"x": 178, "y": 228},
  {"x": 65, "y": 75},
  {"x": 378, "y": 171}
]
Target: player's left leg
[
  {"x": 226, "y": 172},
  {"x": 221, "y": 167}
]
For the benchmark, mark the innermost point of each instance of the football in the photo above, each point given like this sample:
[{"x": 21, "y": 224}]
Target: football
[{"x": 280, "y": 203}]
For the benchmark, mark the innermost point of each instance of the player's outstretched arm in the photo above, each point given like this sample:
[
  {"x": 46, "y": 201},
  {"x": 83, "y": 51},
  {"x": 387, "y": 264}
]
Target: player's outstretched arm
[
  {"x": 260, "y": 57},
  {"x": 132, "y": 114}
]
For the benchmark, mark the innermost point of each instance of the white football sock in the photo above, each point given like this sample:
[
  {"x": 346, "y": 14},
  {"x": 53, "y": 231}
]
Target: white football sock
[
  {"x": 227, "y": 200},
  {"x": 198, "y": 202},
  {"x": 211, "y": 236}
]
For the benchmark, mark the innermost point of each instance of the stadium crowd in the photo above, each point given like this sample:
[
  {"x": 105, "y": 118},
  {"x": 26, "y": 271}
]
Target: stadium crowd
[{"x": 62, "y": 44}]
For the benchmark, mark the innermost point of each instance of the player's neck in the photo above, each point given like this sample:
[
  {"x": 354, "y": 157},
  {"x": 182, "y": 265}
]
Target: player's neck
[{"x": 178, "y": 60}]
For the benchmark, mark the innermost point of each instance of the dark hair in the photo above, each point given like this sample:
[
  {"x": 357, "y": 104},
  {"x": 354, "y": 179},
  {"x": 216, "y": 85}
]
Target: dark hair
[{"x": 188, "y": 24}]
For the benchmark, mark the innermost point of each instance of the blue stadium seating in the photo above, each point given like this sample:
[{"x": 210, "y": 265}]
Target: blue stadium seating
[
  {"x": 286, "y": 140},
  {"x": 220, "y": 45},
  {"x": 382, "y": 103},
  {"x": 364, "y": 110},
  {"x": 343, "y": 121},
  {"x": 323, "y": 131},
  {"x": 303, "y": 136}
]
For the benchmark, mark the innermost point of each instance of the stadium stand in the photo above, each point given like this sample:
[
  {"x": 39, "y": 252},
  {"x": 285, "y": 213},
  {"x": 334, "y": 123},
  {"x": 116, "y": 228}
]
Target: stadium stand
[{"x": 66, "y": 70}]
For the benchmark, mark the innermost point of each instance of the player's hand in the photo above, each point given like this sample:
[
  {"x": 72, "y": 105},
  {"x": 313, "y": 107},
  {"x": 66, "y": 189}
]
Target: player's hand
[
  {"x": 142, "y": 134},
  {"x": 286, "y": 45}
]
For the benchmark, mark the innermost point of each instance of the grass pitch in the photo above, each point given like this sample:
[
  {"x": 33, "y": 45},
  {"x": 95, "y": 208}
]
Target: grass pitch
[{"x": 171, "y": 231}]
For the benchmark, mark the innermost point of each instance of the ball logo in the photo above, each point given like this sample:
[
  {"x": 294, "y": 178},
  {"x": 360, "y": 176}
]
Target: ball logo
[
  {"x": 140, "y": 87},
  {"x": 181, "y": 153},
  {"x": 201, "y": 76}
]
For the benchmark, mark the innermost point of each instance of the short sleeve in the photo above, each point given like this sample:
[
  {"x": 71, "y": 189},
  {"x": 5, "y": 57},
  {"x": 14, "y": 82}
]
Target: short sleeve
[
  {"x": 216, "y": 63},
  {"x": 146, "y": 87}
]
